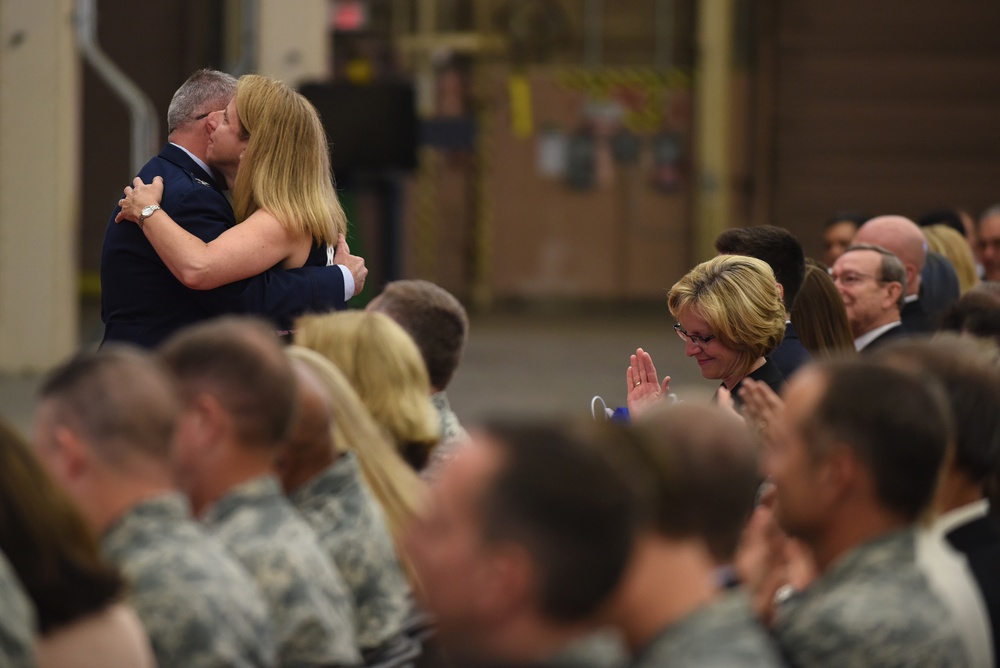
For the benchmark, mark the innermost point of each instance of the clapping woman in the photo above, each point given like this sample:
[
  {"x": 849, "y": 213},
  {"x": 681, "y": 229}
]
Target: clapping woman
[{"x": 730, "y": 316}]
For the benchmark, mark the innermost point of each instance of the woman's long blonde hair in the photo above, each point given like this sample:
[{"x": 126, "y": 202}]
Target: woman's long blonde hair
[
  {"x": 398, "y": 489},
  {"x": 948, "y": 242},
  {"x": 285, "y": 169},
  {"x": 384, "y": 366}
]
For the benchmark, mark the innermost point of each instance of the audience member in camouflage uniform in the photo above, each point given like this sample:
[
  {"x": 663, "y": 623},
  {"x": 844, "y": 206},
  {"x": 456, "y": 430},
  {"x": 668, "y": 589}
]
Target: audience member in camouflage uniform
[
  {"x": 238, "y": 397},
  {"x": 440, "y": 327},
  {"x": 104, "y": 426},
  {"x": 325, "y": 485},
  {"x": 200, "y": 606},
  {"x": 854, "y": 463},
  {"x": 698, "y": 468},
  {"x": 17, "y": 636},
  {"x": 527, "y": 533}
]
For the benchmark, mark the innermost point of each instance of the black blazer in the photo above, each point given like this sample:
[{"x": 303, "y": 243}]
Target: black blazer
[
  {"x": 889, "y": 335},
  {"x": 915, "y": 320},
  {"x": 790, "y": 354},
  {"x": 769, "y": 373},
  {"x": 142, "y": 302},
  {"x": 979, "y": 541}
]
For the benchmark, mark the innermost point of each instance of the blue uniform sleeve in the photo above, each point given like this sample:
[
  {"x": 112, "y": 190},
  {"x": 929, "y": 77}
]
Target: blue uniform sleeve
[{"x": 277, "y": 294}]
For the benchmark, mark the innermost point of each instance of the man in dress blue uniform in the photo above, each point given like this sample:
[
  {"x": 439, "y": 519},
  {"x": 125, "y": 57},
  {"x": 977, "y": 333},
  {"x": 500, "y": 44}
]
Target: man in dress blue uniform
[{"x": 141, "y": 301}]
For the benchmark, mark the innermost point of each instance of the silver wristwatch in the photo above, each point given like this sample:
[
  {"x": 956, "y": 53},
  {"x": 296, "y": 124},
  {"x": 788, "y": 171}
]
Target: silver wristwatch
[{"x": 147, "y": 212}]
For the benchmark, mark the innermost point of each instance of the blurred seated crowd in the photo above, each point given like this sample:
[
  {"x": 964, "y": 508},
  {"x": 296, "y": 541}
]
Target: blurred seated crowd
[{"x": 236, "y": 498}]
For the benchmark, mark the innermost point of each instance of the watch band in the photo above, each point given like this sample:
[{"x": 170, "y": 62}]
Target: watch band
[{"x": 152, "y": 209}]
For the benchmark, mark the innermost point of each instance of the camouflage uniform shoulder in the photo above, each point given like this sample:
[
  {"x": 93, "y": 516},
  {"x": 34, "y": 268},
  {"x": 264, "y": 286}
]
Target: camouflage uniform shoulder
[
  {"x": 309, "y": 602},
  {"x": 722, "y": 633},
  {"x": 873, "y": 608},
  {"x": 452, "y": 430},
  {"x": 17, "y": 623},
  {"x": 198, "y": 605},
  {"x": 353, "y": 532}
]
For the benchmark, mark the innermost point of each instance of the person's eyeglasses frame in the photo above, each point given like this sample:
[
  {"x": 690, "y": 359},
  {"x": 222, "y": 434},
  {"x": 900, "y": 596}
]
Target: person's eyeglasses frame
[
  {"x": 700, "y": 341},
  {"x": 854, "y": 279}
]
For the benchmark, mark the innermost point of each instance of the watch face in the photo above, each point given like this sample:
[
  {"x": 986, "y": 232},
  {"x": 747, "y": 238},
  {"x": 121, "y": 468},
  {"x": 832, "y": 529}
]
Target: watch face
[{"x": 148, "y": 211}]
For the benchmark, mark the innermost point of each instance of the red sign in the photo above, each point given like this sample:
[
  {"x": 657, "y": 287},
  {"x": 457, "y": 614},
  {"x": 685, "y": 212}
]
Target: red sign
[{"x": 350, "y": 15}]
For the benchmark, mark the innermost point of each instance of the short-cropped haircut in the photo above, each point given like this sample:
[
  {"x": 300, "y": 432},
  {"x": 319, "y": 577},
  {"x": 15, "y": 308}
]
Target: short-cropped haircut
[
  {"x": 897, "y": 423},
  {"x": 702, "y": 470},
  {"x": 971, "y": 381},
  {"x": 774, "y": 245},
  {"x": 239, "y": 361},
  {"x": 434, "y": 318},
  {"x": 559, "y": 496},
  {"x": 119, "y": 399}
]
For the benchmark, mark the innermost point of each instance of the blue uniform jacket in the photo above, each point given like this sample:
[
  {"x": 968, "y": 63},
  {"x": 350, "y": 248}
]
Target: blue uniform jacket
[{"x": 142, "y": 302}]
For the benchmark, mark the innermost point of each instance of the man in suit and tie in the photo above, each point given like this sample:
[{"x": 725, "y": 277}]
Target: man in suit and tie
[
  {"x": 903, "y": 238},
  {"x": 141, "y": 301},
  {"x": 871, "y": 281}
]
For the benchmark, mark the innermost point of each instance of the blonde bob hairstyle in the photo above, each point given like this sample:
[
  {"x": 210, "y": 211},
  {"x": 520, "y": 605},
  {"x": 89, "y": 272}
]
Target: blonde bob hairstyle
[
  {"x": 948, "y": 242},
  {"x": 399, "y": 490},
  {"x": 385, "y": 368},
  {"x": 739, "y": 299},
  {"x": 285, "y": 169}
]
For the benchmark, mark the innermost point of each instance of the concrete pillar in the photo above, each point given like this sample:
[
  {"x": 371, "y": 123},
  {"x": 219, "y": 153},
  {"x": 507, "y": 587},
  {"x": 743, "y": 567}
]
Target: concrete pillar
[
  {"x": 712, "y": 123},
  {"x": 294, "y": 40},
  {"x": 40, "y": 108}
]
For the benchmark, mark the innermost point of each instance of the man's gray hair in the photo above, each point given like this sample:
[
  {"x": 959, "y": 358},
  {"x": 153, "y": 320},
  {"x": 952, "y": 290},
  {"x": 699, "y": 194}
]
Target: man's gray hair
[
  {"x": 990, "y": 213},
  {"x": 204, "y": 91},
  {"x": 892, "y": 269}
]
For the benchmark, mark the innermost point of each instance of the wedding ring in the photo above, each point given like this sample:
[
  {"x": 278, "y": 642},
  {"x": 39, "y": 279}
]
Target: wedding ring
[{"x": 637, "y": 383}]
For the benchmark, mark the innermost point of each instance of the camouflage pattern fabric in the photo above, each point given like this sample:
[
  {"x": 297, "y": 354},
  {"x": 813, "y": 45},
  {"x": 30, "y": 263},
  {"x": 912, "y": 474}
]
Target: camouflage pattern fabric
[
  {"x": 873, "y": 607},
  {"x": 353, "y": 532},
  {"x": 310, "y": 605},
  {"x": 17, "y": 621},
  {"x": 723, "y": 633},
  {"x": 199, "y": 607}
]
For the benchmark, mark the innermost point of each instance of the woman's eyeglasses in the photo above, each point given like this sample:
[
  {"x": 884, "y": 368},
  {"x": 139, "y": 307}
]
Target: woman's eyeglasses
[{"x": 700, "y": 341}]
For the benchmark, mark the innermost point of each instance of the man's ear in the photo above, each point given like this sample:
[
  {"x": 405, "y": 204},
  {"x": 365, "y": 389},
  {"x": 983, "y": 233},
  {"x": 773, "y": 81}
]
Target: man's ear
[
  {"x": 842, "y": 469},
  {"x": 209, "y": 420},
  {"x": 71, "y": 458},
  {"x": 895, "y": 290},
  {"x": 911, "y": 273},
  {"x": 513, "y": 584}
]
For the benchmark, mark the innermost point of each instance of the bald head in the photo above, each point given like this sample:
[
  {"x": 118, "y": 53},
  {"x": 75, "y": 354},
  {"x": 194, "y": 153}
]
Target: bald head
[
  {"x": 309, "y": 448},
  {"x": 903, "y": 238}
]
